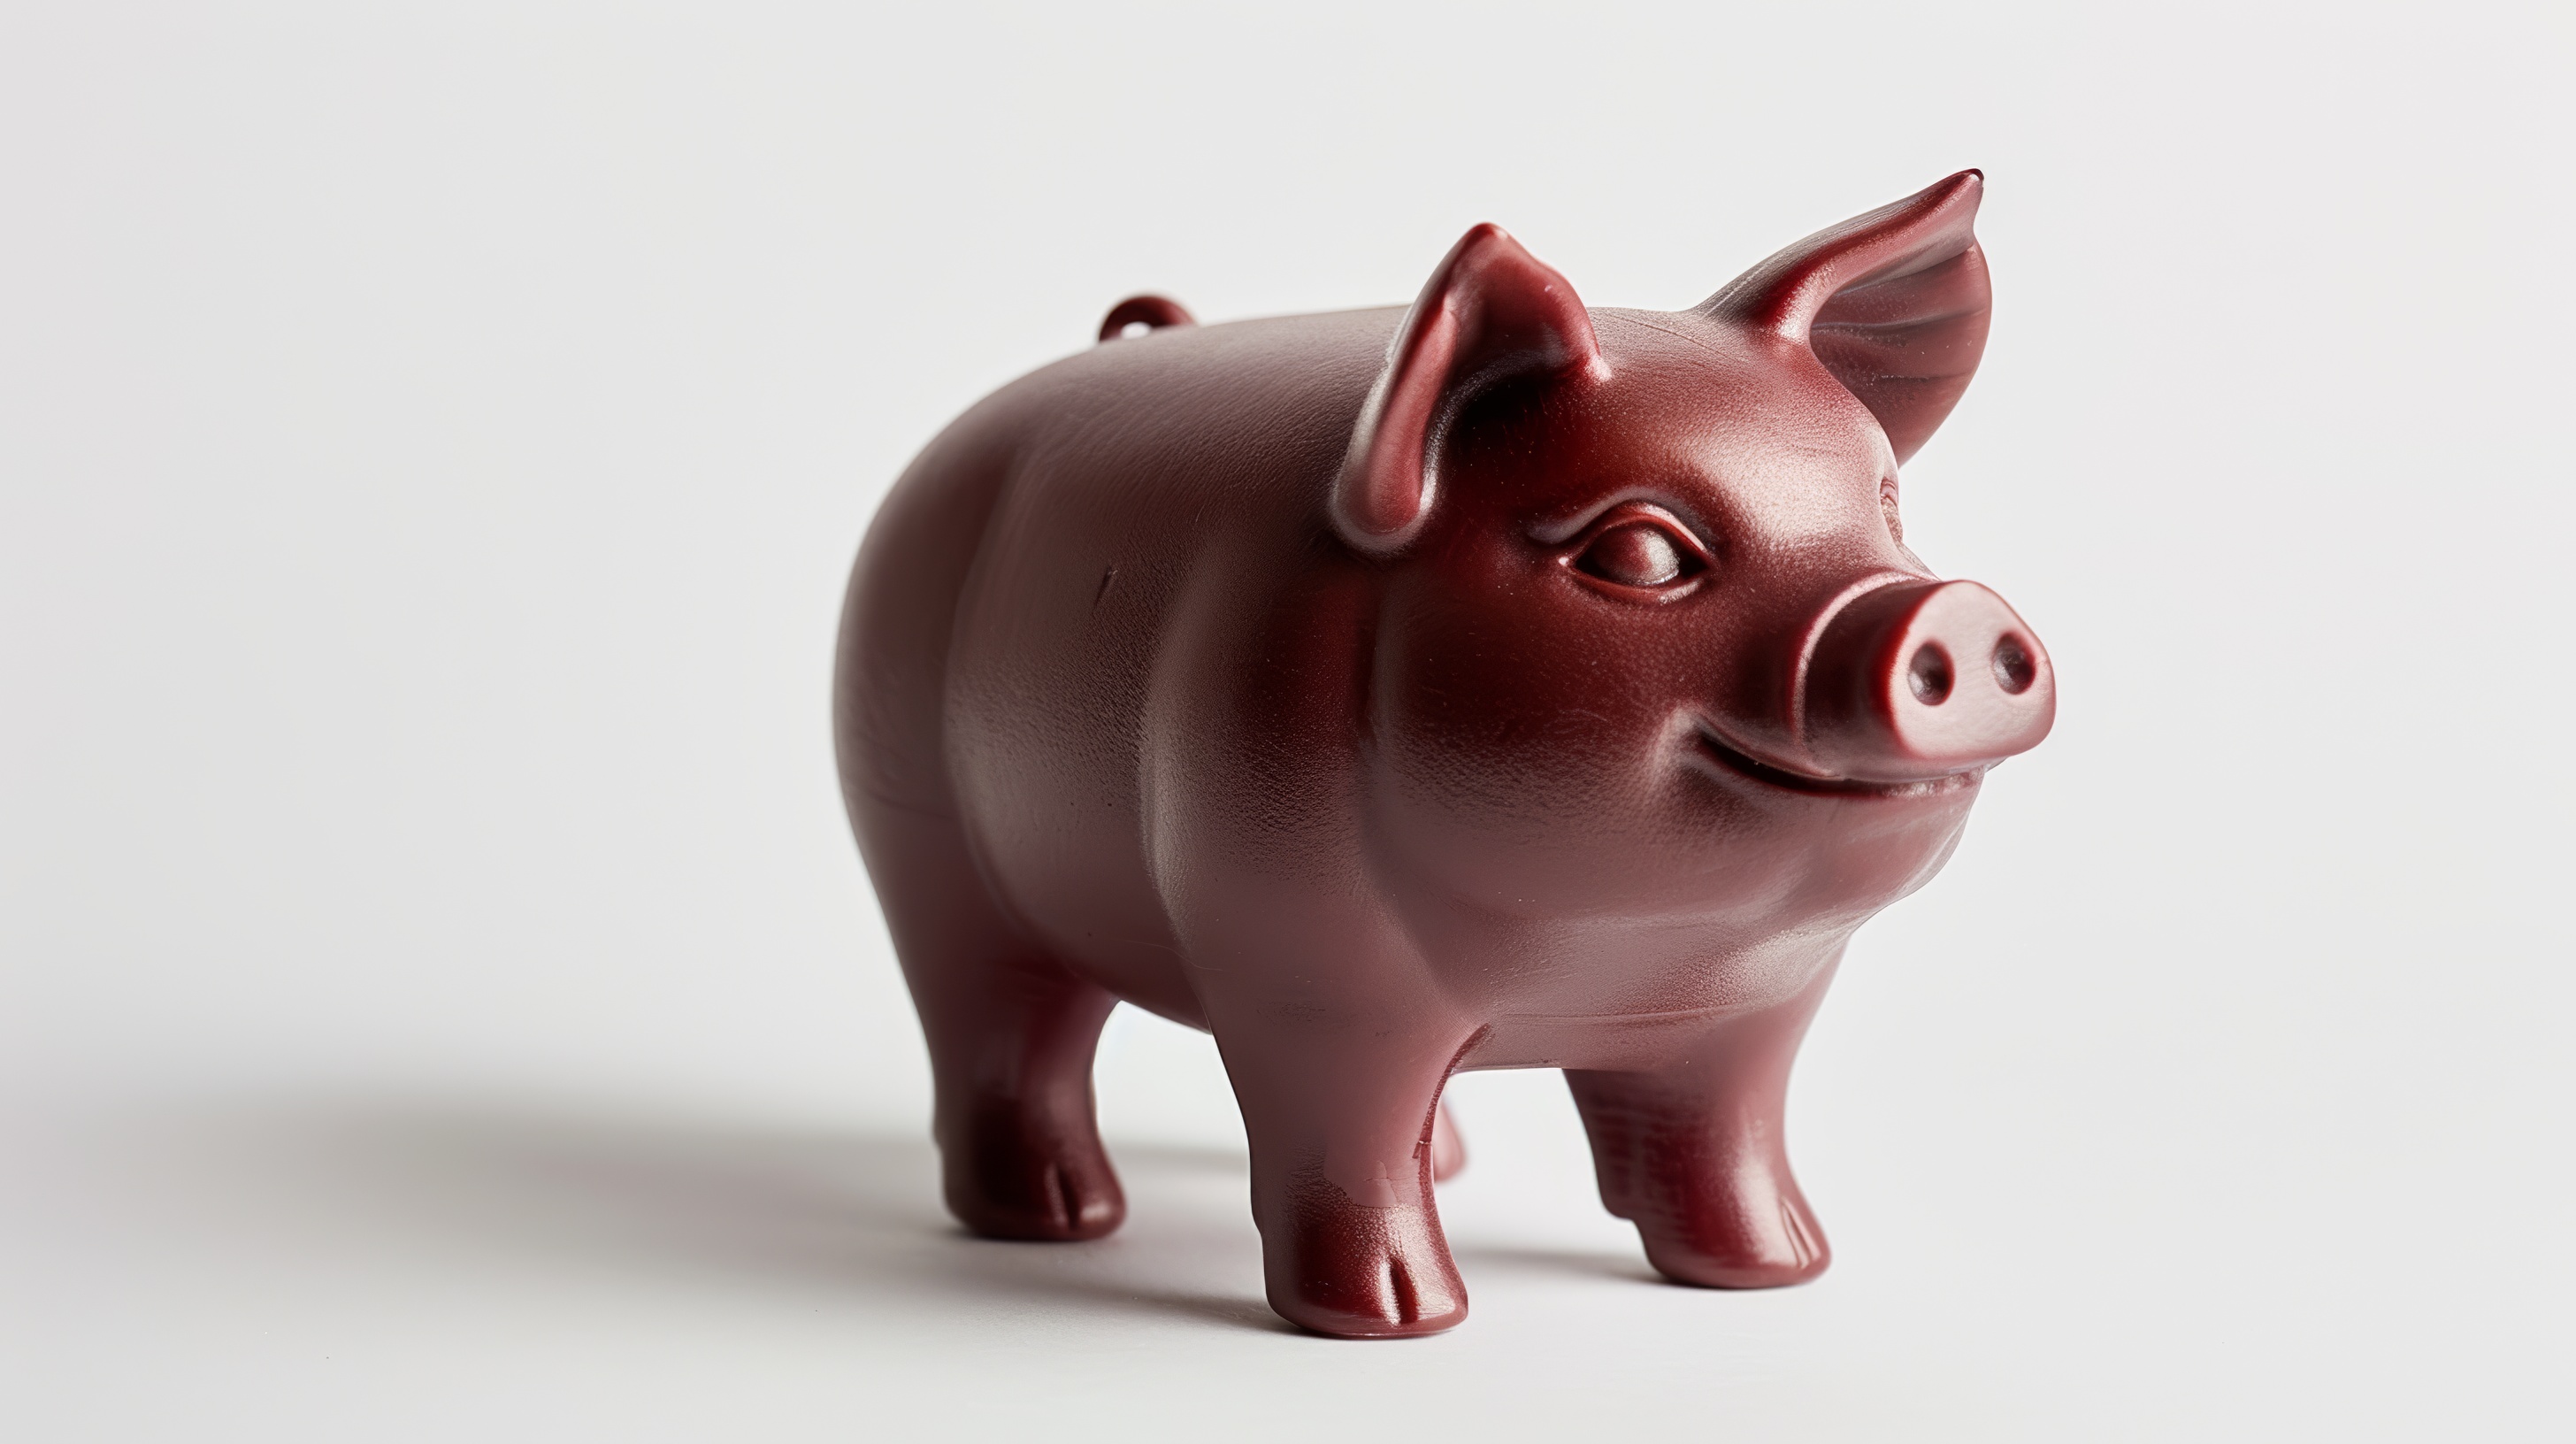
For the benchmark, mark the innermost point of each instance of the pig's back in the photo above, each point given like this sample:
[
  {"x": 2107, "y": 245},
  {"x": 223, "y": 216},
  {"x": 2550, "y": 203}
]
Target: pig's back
[{"x": 1016, "y": 589}]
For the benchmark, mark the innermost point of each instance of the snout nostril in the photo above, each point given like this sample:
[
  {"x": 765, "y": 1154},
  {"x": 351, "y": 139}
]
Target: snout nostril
[
  {"x": 1929, "y": 675},
  {"x": 2014, "y": 670}
]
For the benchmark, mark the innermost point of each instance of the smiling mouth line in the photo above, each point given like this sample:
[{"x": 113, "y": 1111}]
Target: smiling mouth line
[{"x": 1715, "y": 748}]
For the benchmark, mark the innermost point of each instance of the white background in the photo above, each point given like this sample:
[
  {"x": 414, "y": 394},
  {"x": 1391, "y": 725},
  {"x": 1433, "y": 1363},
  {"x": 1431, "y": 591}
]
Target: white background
[{"x": 438, "y": 996}]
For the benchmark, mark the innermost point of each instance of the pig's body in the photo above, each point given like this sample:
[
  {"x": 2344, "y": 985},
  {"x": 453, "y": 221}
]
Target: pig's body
[
  {"x": 1108, "y": 554},
  {"x": 1134, "y": 704}
]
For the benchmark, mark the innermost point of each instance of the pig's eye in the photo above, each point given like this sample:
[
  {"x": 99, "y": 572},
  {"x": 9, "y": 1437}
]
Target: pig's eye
[{"x": 1639, "y": 554}]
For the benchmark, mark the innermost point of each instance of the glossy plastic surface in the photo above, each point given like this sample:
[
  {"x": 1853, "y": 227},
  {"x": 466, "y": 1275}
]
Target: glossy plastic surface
[{"x": 1493, "y": 683}]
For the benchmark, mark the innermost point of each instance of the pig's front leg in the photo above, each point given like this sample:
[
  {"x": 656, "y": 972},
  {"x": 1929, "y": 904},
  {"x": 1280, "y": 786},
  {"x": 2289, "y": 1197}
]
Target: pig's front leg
[
  {"x": 1692, "y": 1153},
  {"x": 1338, "y": 1111}
]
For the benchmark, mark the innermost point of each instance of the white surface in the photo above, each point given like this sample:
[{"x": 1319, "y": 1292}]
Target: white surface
[{"x": 441, "y": 1001}]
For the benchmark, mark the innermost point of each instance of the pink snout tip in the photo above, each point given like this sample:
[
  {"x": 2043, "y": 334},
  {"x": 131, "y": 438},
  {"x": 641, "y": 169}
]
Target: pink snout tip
[{"x": 1919, "y": 680}]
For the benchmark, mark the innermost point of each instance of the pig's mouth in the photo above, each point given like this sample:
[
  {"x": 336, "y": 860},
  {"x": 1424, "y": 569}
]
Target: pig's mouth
[{"x": 1716, "y": 749}]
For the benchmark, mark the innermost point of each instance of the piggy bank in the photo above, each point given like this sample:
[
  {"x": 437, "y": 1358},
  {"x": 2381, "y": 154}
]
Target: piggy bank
[{"x": 1492, "y": 683}]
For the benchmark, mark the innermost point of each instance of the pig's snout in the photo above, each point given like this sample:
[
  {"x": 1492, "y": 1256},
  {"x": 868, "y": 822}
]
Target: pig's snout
[{"x": 1918, "y": 680}]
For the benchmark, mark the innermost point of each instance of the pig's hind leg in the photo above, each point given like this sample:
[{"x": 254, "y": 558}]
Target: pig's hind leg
[
  {"x": 1448, "y": 1149},
  {"x": 1011, "y": 1035},
  {"x": 1693, "y": 1154}
]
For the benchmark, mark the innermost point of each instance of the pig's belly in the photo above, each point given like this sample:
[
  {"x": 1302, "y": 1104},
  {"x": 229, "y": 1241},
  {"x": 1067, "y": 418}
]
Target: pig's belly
[
  {"x": 1066, "y": 859},
  {"x": 1042, "y": 726}
]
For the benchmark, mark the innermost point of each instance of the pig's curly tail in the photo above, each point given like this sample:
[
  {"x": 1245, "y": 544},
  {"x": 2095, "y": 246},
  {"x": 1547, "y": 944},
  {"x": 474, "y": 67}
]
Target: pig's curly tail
[{"x": 1149, "y": 311}]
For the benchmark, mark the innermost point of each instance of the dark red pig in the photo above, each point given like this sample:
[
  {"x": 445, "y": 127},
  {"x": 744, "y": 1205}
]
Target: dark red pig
[{"x": 1491, "y": 684}]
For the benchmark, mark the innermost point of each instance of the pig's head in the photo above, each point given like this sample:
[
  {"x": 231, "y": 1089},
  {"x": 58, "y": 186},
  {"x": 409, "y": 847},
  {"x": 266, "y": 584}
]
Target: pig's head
[{"x": 1651, "y": 639}]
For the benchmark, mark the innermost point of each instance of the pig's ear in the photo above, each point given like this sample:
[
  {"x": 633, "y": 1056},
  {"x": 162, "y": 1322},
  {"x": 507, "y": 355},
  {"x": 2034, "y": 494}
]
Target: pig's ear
[
  {"x": 1894, "y": 303},
  {"x": 1492, "y": 310}
]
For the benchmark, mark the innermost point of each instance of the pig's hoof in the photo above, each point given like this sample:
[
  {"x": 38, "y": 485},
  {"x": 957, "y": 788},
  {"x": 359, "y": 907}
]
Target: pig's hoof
[
  {"x": 1362, "y": 1273},
  {"x": 1787, "y": 1248},
  {"x": 1011, "y": 1181},
  {"x": 1398, "y": 1299}
]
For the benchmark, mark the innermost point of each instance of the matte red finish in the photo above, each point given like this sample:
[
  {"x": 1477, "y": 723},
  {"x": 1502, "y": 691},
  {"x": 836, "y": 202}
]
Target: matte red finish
[{"x": 1491, "y": 684}]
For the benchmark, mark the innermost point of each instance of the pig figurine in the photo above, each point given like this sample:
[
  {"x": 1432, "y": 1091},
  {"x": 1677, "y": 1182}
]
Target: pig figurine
[{"x": 1494, "y": 683}]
